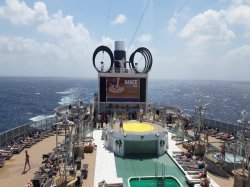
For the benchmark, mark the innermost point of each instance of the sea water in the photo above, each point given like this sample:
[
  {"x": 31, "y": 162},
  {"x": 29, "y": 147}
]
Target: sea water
[{"x": 27, "y": 99}]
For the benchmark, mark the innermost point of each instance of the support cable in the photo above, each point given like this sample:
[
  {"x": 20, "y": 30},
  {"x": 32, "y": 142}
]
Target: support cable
[
  {"x": 138, "y": 25},
  {"x": 175, "y": 13},
  {"x": 107, "y": 24}
]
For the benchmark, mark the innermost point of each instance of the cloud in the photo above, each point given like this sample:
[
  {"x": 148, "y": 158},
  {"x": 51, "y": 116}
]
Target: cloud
[
  {"x": 241, "y": 54},
  {"x": 240, "y": 2},
  {"x": 30, "y": 56},
  {"x": 42, "y": 59},
  {"x": 207, "y": 28},
  {"x": 19, "y": 13},
  {"x": 172, "y": 23},
  {"x": 25, "y": 46},
  {"x": 144, "y": 38},
  {"x": 67, "y": 56},
  {"x": 235, "y": 64},
  {"x": 247, "y": 35},
  {"x": 107, "y": 41},
  {"x": 239, "y": 15},
  {"x": 57, "y": 25},
  {"x": 64, "y": 29},
  {"x": 210, "y": 38},
  {"x": 120, "y": 19}
]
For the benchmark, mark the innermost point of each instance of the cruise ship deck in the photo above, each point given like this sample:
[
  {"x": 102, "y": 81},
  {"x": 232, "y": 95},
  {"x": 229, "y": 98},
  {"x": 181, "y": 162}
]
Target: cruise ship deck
[
  {"x": 11, "y": 174},
  {"x": 116, "y": 169}
]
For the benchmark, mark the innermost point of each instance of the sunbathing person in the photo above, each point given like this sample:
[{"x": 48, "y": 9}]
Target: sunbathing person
[
  {"x": 223, "y": 151},
  {"x": 202, "y": 174},
  {"x": 199, "y": 165},
  {"x": 189, "y": 154},
  {"x": 204, "y": 182}
]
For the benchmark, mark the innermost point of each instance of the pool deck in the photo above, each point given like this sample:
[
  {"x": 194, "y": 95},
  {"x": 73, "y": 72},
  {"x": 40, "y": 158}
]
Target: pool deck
[{"x": 105, "y": 162}]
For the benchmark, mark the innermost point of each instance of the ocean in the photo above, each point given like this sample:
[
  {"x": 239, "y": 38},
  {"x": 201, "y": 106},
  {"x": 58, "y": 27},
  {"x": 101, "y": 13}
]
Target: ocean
[{"x": 27, "y": 99}]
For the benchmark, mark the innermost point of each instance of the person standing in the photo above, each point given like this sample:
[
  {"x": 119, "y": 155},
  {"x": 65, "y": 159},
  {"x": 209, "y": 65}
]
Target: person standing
[
  {"x": 223, "y": 151},
  {"x": 27, "y": 161},
  {"x": 121, "y": 124},
  {"x": 207, "y": 136}
]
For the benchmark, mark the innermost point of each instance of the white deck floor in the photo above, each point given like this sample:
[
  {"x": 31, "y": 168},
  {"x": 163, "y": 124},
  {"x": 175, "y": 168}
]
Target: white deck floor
[{"x": 105, "y": 168}]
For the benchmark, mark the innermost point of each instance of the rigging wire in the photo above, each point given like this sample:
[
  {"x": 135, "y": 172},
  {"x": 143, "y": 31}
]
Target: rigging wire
[
  {"x": 161, "y": 33},
  {"x": 108, "y": 19},
  {"x": 107, "y": 24},
  {"x": 175, "y": 14},
  {"x": 138, "y": 25},
  {"x": 180, "y": 7}
]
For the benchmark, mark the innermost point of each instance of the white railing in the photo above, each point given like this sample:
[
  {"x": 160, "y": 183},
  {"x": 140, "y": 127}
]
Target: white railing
[{"x": 44, "y": 125}]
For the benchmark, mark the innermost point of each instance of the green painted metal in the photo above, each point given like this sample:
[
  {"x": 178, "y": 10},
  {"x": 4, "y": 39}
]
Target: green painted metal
[{"x": 167, "y": 181}]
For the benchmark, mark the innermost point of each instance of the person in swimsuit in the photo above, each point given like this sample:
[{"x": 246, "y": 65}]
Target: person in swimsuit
[
  {"x": 27, "y": 161},
  {"x": 121, "y": 124},
  {"x": 223, "y": 151}
]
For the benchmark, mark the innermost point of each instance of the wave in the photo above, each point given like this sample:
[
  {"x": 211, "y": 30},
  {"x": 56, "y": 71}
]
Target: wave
[
  {"x": 41, "y": 117},
  {"x": 71, "y": 95},
  {"x": 67, "y": 100},
  {"x": 67, "y": 92}
]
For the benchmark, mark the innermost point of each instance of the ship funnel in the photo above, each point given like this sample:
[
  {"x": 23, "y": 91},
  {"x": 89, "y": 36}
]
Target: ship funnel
[
  {"x": 119, "y": 53},
  {"x": 119, "y": 46}
]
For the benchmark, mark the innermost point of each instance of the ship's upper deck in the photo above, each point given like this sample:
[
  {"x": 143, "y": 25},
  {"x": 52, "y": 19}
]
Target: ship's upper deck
[{"x": 120, "y": 72}]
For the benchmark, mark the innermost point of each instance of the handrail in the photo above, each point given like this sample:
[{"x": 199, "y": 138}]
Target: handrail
[
  {"x": 156, "y": 170},
  {"x": 44, "y": 124},
  {"x": 222, "y": 125}
]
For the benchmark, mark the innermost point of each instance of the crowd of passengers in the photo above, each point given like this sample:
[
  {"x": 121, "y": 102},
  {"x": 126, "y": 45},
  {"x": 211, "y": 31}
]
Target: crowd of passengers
[{"x": 188, "y": 163}]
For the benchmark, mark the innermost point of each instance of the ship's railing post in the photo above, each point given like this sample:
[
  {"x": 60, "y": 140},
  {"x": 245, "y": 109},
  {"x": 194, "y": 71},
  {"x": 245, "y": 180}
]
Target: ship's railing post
[
  {"x": 46, "y": 125},
  {"x": 1, "y": 140},
  {"x": 41, "y": 124},
  {"x": 6, "y": 138},
  {"x": 19, "y": 131},
  {"x": 11, "y": 134}
]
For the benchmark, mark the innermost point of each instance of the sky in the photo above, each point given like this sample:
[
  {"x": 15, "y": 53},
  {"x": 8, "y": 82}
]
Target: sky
[{"x": 188, "y": 39}]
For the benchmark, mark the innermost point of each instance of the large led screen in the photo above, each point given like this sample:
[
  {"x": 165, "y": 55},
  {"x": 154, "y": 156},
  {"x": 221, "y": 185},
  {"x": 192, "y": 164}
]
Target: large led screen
[{"x": 122, "y": 89}]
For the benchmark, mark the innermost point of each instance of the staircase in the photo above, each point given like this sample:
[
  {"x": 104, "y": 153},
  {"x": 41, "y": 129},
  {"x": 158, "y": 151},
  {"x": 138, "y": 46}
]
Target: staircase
[{"x": 160, "y": 183}]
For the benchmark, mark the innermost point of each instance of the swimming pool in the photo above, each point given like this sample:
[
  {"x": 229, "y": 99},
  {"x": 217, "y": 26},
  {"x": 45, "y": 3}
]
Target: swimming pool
[
  {"x": 167, "y": 181},
  {"x": 147, "y": 165}
]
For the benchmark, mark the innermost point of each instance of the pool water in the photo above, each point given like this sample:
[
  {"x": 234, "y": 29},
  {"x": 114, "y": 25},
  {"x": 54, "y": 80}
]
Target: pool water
[
  {"x": 154, "y": 182},
  {"x": 147, "y": 165}
]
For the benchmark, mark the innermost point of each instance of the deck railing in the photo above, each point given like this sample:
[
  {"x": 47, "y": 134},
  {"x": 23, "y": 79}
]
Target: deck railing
[
  {"x": 120, "y": 70},
  {"x": 225, "y": 126},
  {"x": 87, "y": 131},
  {"x": 12, "y": 134}
]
